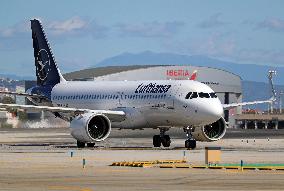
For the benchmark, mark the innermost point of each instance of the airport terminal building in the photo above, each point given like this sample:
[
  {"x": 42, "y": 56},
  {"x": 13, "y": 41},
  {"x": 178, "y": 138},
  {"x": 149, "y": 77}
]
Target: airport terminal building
[{"x": 226, "y": 84}]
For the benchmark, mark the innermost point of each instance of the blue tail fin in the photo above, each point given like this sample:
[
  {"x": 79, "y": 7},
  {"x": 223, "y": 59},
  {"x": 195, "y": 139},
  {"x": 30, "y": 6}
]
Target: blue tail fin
[{"x": 47, "y": 71}]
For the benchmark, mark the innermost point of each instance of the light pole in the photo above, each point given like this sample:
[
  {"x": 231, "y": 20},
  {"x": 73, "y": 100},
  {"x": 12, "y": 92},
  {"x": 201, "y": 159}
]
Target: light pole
[
  {"x": 280, "y": 101},
  {"x": 270, "y": 75}
]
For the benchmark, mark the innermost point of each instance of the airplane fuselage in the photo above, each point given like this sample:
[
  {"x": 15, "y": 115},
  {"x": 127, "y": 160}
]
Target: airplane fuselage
[{"x": 148, "y": 104}]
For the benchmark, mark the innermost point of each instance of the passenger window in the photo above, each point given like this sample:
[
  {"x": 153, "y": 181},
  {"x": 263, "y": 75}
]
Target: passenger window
[
  {"x": 194, "y": 95},
  {"x": 188, "y": 95},
  {"x": 204, "y": 95}
]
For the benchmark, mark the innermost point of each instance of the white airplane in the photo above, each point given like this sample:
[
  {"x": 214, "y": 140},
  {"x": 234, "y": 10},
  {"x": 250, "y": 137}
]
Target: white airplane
[{"x": 94, "y": 107}]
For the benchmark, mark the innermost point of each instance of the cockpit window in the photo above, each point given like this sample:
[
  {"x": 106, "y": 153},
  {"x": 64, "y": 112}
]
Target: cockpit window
[
  {"x": 192, "y": 95},
  {"x": 188, "y": 95},
  {"x": 203, "y": 95},
  {"x": 213, "y": 95}
]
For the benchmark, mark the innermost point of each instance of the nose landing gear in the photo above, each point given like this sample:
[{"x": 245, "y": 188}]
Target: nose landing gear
[
  {"x": 190, "y": 143},
  {"x": 162, "y": 139}
]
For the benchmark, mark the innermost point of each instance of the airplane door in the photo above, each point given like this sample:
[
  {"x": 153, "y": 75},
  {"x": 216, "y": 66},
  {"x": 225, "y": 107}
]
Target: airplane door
[
  {"x": 120, "y": 99},
  {"x": 171, "y": 99},
  {"x": 170, "y": 103}
]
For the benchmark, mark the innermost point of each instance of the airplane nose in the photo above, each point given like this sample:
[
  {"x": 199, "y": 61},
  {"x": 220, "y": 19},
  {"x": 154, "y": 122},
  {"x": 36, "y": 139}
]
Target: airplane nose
[{"x": 212, "y": 111}]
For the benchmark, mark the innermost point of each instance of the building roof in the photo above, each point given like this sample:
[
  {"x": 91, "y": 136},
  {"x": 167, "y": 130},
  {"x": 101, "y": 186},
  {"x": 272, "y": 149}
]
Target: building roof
[{"x": 102, "y": 71}]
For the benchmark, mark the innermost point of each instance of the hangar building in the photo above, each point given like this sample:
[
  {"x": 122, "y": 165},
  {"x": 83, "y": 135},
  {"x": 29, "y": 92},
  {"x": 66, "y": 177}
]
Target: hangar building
[{"x": 226, "y": 84}]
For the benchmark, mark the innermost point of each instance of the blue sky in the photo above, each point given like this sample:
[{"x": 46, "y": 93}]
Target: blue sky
[{"x": 83, "y": 33}]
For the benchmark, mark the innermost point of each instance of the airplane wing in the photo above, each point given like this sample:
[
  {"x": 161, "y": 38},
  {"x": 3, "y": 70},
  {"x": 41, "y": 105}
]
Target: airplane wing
[
  {"x": 271, "y": 100},
  {"x": 112, "y": 115},
  {"x": 232, "y": 105},
  {"x": 22, "y": 94}
]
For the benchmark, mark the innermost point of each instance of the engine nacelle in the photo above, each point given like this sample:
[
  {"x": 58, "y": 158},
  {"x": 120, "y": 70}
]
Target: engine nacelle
[
  {"x": 90, "y": 127},
  {"x": 212, "y": 132}
]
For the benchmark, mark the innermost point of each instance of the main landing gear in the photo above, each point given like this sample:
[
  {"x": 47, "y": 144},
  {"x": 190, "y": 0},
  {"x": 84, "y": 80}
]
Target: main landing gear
[
  {"x": 91, "y": 145},
  {"x": 162, "y": 139},
  {"x": 190, "y": 143},
  {"x": 82, "y": 144}
]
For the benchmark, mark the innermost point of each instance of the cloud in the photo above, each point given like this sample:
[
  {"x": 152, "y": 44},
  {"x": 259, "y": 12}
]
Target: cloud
[
  {"x": 215, "y": 45},
  {"x": 272, "y": 24},
  {"x": 150, "y": 29},
  {"x": 261, "y": 56},
  {"x": 76, "y": 26},
  {"x": 68, "y": 26},
  {"x": 16, "y": 36},
  {"x": 225, "y": 46},
  {"x": 19, "y": 35},
  {"x": 212, "y": 22},
  {"x": 18, "y": 29}
]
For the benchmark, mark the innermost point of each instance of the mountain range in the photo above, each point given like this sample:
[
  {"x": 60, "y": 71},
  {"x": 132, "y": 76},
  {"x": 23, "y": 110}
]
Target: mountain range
[{"x": 248, "y": 72}]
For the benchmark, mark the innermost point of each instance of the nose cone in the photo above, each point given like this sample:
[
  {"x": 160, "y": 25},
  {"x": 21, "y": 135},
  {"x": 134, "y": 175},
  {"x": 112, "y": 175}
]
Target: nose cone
[{"x": 211, "y": 111}]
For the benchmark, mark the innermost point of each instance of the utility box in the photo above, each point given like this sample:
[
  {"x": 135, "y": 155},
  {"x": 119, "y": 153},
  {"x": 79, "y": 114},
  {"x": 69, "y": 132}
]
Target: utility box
[{"x": 212, "y": 155}]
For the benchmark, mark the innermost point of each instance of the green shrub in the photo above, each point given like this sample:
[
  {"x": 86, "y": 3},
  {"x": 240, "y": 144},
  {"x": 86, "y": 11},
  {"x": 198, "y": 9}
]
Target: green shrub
[
  {"x": 6, "y": 125},
  {"x": 22, "y": 115}
]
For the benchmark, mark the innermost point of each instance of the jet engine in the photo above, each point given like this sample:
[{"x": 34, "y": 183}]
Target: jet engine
[
  {"x": 211, "y": 132},
  {"x": 90, "y": 127}
]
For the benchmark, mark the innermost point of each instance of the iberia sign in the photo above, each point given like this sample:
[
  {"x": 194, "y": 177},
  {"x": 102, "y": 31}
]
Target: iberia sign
[{"x": 181, "y": 74}]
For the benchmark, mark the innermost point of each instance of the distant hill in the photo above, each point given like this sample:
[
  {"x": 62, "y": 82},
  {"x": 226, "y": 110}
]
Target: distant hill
[
  {"x": 248, "y": 72},
  {"x": 15, "y": 77}
]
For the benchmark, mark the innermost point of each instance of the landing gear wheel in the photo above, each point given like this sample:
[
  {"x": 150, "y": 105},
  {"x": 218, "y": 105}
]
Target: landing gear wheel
[
  {"x": 80, "y": 144},
  {"x": 91, "y": 144},
  {"x": 156, "y": 140},
  {"x": 190, "y": 144},
  {"x": 166, "y": 141}
]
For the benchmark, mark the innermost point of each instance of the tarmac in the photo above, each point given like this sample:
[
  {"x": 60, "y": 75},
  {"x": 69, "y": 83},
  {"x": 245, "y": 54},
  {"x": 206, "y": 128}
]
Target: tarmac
[{"x": 40, "y": 159}]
